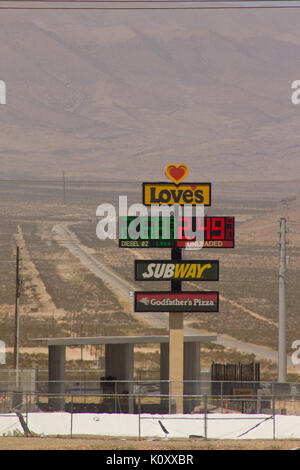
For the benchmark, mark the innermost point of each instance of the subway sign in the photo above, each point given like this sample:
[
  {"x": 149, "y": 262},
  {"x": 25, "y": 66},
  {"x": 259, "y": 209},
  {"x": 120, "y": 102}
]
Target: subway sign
[
  {"x": 162, "y": 270},
  {"x": 181, "y": 194},
  {"x": 171, "y": 232},
  {"x": 176, "y": 301}
]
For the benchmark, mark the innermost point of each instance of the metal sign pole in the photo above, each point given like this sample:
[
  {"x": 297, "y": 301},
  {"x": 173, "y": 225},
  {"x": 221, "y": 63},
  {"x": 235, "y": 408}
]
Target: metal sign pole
[{"x": 176, "y": 347}]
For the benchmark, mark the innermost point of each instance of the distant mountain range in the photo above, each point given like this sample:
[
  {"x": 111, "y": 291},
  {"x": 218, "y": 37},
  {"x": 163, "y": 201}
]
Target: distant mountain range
[{"x": 121, "y": 94}]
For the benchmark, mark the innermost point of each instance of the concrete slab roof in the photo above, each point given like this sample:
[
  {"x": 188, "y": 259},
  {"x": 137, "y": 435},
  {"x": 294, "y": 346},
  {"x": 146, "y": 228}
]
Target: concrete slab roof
[{"x": 121, "y": 340}]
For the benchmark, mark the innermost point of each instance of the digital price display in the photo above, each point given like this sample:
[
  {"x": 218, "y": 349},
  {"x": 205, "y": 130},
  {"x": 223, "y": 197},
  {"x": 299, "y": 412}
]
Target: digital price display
[{"x": 168, "y": 232}]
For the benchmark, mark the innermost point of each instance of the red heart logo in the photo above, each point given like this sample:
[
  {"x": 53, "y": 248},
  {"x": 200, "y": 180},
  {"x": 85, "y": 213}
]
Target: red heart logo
[
  {"x": 176, "y": 173},
  {"x": 193, "y": 187}
]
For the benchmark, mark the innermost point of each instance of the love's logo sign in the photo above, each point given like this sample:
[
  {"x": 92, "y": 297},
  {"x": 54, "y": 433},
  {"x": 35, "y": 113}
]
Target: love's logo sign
[
  {"x": 176, "y": 192},
  {"x": 176, "y": 173}
]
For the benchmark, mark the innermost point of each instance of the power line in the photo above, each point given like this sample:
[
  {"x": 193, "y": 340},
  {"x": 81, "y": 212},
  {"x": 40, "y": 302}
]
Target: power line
[
  {"x": 230, "y": 5},
  {"x": 121, "y": 181},
  {"x": 168, "y": 4},
  {"x": 266, "y": 7},
  {"x": 206, "y": 3}
]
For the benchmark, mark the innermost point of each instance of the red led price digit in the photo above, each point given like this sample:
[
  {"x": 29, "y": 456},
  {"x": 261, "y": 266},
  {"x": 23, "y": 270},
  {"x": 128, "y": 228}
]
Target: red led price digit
[
  {"x": 218, "y": 228},
  {"x": 184, "y": 224},
  {"x": 229, "y": 228},
  {"x": 206, "y": 227}
]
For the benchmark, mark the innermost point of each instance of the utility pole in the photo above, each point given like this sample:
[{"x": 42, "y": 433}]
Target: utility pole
[
  {"x": 282, "y": 360},
  {"x": 17, "y": 317}
]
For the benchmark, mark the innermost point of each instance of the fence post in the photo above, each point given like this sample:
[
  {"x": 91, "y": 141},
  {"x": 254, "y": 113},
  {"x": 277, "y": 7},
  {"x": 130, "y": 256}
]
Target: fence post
[
  {"x": 71, "y": 433},
  {"x": 273, "y": 411},
  {"x": 139, "y": 407},
  {"x": 221, "y": 396},
  {"x": 26, "y": 409},
  {"x": 205, "y": 416}
]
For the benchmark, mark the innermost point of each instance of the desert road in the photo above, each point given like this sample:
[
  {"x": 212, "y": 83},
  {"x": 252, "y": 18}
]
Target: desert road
[{"x": 124, "y": 291}]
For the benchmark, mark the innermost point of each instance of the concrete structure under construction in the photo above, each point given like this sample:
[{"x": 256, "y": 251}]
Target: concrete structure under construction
[{"x": 119, "y": 361}]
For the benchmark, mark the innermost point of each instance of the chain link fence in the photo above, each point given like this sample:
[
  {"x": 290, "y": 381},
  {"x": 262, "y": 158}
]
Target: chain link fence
[
  {"x": 27, "y": 392},
  {"x": 208, "y": 411},
  {"x": 106, "y": 394}
]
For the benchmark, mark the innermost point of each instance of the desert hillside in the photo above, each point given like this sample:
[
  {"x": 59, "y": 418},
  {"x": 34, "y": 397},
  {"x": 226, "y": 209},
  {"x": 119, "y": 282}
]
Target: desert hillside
[{"x": 117, "y": 95}]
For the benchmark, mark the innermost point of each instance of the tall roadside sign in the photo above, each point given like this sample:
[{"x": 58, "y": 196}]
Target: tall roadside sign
[{"x": 176, "y": 232}]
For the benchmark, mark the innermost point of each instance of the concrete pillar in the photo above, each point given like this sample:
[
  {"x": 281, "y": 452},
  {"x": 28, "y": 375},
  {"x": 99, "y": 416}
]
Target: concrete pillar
[
  {"x": 119, "y": 364},
  {"x": 164, "y": 375},
  {"x": 56, "y": 376},
  {"x": 192, "y": 367},
  {"x": 191, "y": 373}
]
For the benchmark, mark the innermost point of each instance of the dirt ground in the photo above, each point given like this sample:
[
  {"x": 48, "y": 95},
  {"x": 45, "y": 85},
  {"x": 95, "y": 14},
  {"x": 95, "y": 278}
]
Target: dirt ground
[{"x": 96, "y": 443}]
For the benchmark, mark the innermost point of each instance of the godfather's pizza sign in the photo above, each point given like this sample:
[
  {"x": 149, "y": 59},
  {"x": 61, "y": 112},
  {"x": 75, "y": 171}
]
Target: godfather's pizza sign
[{"x": 191, "y": 301}]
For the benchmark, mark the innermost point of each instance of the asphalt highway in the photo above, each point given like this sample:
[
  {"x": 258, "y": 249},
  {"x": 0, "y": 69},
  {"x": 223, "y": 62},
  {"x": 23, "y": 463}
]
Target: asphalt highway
[{"x": 124, "y": 291}]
